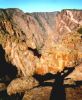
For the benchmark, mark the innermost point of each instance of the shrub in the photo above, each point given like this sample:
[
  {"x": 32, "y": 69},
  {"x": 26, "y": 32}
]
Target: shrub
[{"x": 80, "y": 30}]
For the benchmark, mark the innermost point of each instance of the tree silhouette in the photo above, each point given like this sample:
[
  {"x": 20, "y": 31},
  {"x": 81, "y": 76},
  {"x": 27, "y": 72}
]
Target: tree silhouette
[
  {"x": 58, "y": 87},
  {"x": 58, "y": 91}
]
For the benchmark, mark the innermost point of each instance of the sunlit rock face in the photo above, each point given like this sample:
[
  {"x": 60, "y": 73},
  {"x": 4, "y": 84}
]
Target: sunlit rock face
[
  {"x": 51, "y": 34},
  {"x": 66, "y": 53},
  {"x": 68, "y": 21}
]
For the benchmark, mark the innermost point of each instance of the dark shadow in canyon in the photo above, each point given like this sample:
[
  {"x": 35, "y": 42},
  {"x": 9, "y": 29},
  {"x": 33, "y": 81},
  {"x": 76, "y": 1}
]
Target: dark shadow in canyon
[
  {"x": 5, "y": 96},
  {"x": 35, "y": 52},
  {"x": 7, "y": 73},
  {"x": 7, "y": 70},
  {"x": 58, "y": 86},
  {"x": 58, "y": 90}
]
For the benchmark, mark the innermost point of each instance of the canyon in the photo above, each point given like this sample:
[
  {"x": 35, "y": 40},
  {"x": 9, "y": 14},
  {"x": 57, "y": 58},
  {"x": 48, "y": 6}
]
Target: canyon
[{"x": 36, "y": 44}]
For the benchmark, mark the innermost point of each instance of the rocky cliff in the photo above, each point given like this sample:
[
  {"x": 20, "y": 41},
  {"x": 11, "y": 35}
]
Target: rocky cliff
[
  {"x": 68, "y": 20},
  {"x": 40, "y": 43}
]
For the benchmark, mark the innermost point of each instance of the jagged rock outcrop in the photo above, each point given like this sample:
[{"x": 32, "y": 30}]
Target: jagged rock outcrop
[
  {"x": 37, "y": 30},
  {"x": 21, "y": 84},
  {"x": 68, "y": 21},
  {"x": 76, "y": 73},
  {"x": 56, "y": 56},
  {"x": 40, "y": 43},
  {"x": 30, "y": 29}
]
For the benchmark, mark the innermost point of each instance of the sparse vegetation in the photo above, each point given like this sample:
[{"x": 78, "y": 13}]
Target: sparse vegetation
[{"x": 80, "y": 30}]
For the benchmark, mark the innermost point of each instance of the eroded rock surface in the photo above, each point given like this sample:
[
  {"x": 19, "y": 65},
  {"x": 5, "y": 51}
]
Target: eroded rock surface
[
  {"x": 20, "y": 31},
  {"x": 40, "y": 43},
  {"x": 21, "y": 85},
  {"x": 44, "y": 93}
]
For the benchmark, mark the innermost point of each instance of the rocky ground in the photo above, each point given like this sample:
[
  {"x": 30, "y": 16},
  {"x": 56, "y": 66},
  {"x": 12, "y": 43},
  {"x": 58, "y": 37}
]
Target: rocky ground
[{"x": 44, "y": 93}]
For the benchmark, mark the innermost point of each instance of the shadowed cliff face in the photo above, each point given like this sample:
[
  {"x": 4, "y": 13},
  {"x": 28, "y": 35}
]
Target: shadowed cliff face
[
  {"x": 41, "y": 42},
  {"x": 33, "y": 27},
  {"x": 7, "y": 70}
]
